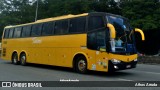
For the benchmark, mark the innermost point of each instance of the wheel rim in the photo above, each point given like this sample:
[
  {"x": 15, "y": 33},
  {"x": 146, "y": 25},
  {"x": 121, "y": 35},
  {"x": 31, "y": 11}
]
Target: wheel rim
[
  {"x": 23, "y": 59},
  {"x": 15, "y": 59},
  {"x": 81, "y": 65}
]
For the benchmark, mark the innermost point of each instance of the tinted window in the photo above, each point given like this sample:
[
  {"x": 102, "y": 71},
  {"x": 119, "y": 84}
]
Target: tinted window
[
  {"x": 95, "y": 40},
  {"x": 101, "y": 39},
  {"x": 47, "y": 28},
  {"x": 26, "y": 31},
  {"x": 77, "y": 25},
  {"x": 17, "y": 32},
  {"x": 6, "y": 33},
  {"x": 36, "y": 30},
  {"x": 95, "y": 22},
  {"x": 61, "y": 27},
  {"x": 91, "y": 41},
  {"x": 11, "y": 32}
]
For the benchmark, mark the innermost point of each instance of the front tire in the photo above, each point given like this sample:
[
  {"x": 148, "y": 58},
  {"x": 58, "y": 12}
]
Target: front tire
[
  {"x": 23, "y": 59},
  {"x": 81, "y": 65}
]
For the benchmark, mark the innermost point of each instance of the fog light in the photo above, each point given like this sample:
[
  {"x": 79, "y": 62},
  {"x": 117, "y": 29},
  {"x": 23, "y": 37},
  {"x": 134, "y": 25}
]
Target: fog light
[
  {"x": 116, "y": 67},
  {"x": 135, "y": 60}
]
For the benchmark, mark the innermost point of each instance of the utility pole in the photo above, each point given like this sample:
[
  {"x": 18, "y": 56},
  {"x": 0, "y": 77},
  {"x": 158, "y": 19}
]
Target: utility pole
[{"x": 36, "y": 11}]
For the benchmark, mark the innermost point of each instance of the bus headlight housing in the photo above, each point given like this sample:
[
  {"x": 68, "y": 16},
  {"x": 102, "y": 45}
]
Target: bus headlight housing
[
  {"x": 115, "y": 61},
  {"x": 135, "y": 60}
]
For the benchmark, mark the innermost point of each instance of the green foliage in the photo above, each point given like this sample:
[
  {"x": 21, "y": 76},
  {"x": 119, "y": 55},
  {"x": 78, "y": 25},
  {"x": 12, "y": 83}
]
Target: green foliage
[{"x": 143, "y": 14}]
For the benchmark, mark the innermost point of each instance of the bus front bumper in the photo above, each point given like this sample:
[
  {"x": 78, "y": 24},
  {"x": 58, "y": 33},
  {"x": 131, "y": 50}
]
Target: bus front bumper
[{"x": 120, "y": 65}]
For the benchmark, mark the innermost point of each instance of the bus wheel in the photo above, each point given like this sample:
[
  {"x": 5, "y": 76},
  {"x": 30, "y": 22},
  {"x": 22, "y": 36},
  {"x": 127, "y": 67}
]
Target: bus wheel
[
  {"x": 81, "y": 65},
  {"x": 15, "y": 58},
  {"x": 23, "y": 59}
]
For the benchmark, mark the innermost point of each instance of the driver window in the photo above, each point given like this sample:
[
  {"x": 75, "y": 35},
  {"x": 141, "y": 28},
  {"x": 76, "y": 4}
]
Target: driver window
[
  {"x": 101, "y": 39},
  {"x": 96, "y": 40}
]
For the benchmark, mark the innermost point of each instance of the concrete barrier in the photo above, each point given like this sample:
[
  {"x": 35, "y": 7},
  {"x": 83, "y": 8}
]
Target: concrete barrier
[{"x": 149, "y": 60}]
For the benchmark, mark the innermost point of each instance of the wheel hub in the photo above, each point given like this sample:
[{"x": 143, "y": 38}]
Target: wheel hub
[
  {"x": 23, "y": 59},
  {"x": 81, "y": 65},
  {"x": 15, "y": 59}
]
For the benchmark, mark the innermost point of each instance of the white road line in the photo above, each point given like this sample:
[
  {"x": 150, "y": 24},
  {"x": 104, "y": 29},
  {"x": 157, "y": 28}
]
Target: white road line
[
  {"x": 121, "y": 79},
  {"x": 146, "y": 72}
]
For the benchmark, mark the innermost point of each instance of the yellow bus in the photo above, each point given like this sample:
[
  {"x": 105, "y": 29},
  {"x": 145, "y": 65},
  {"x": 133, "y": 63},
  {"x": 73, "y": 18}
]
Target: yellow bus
[{"x": 91, "y": 41}]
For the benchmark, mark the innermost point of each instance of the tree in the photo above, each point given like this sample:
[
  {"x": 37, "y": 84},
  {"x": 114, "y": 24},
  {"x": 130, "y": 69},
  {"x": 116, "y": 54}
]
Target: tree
[
  {"x": 14, "y": 12},
  {"x": 142, "y": 13}
]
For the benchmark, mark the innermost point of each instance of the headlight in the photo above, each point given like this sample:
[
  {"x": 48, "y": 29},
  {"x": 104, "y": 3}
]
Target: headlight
[
  {"x": 115, "y": 61},
  {"x": 135, "y": 60}
]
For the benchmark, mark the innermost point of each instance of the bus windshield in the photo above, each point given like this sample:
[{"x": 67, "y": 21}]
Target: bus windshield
[{"x": 124, "y": 41}]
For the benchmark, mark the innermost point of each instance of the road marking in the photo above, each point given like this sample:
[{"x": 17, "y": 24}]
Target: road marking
[
  {"x": 121, "y": 79},
  {"x": 147, "y": 72}
]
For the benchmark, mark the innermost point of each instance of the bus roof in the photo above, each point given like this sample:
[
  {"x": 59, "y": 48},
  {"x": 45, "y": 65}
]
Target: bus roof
[
  {"x": 51, "y": 19},
  {"x": 63, "y": 17}
]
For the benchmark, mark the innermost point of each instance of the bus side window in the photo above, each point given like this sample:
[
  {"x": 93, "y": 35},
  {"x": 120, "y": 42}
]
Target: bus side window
[
  {"x": 95, "y": 22},
  {"x": 26, "y": 31},
  {"x": 100, "y": 39},
  {"x": 96, "y": 39},
  {"x": 61, "y": 27},
  {"x": 91, "y": 41},
  {"x": 36, "y": 30},
  {"x": 6, "y": 33},
  {"x": 77, "y": 25},
  {"x": 11, "y": 31},
  {"x": 17, "y": 32},
  {"x": 48, "y": 28}
]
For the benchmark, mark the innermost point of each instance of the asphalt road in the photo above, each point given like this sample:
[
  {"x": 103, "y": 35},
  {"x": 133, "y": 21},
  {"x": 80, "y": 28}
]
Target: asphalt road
[{"x": 33, "y": 72}]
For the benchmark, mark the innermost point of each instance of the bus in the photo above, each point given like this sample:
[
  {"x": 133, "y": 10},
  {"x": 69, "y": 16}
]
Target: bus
[{"x": 95, "y": 41}]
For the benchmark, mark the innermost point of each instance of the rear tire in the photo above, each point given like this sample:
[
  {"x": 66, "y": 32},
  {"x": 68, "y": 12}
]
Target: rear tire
[
  {"x": 23, "y": 59},
  {"x": 15, "y": 59},
  {"x": 81, "y": 65}
]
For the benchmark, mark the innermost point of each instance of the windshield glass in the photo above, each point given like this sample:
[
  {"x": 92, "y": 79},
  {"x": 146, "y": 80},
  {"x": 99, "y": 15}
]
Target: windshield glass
[{"x": 124, "y": 36}]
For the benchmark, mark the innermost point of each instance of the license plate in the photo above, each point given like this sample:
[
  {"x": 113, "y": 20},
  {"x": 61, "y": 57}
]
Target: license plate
[{"x": 128, "y": 66}]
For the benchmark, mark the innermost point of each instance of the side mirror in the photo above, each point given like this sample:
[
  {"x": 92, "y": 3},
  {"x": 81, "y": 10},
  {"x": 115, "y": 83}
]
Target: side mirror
[
  {"x": 141, "y": 32},
  {"x": 112, "y": 31}
]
